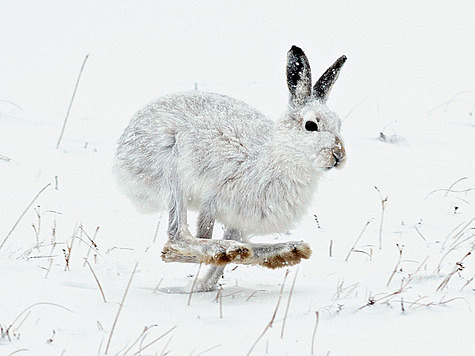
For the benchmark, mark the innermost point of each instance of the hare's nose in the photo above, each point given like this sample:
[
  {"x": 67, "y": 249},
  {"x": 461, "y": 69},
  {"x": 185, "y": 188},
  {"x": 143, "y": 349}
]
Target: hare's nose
[{"x": 339, "y": 153}]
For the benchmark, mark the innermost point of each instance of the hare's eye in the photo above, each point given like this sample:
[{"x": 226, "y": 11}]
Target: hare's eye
[{"x": 311, "y": 126}]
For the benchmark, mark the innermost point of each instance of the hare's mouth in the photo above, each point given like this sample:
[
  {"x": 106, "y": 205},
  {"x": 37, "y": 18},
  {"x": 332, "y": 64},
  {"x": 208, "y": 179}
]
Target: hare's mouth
[{"x": 338, "y": 161}]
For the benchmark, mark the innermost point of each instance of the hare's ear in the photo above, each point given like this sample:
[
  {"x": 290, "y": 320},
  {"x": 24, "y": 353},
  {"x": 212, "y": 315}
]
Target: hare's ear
[
  {"x": 322, "y": 87},
  {"x": 299, "y": 77}
]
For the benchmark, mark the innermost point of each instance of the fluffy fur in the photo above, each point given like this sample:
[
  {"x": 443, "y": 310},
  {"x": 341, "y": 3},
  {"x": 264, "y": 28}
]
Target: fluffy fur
[{"x": 207, "y": 151}]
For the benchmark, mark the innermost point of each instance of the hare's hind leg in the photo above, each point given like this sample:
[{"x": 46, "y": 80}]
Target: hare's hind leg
[
  {"x": 210, "y": 281},
  {"x": 277, "y": 255},
  {"x": 183, "y": 247}
]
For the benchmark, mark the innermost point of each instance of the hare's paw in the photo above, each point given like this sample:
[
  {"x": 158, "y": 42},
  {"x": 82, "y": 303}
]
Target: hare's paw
[
  {"x": 220, "y": 252},
  {"x": 212, "y": 252},
  {"x": 281, "y": 255}
]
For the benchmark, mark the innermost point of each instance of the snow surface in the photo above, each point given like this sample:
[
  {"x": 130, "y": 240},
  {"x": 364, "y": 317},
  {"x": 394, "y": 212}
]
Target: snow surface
[{"x": 408, "y": 75}]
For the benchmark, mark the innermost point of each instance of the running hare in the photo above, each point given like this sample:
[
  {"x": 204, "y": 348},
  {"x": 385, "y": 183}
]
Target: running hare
[{"x": 205, "y": 151}]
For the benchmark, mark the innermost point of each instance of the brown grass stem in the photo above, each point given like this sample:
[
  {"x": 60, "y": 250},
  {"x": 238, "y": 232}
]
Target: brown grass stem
[
  {"x": 30, "y": 307},
  {"x": 23, "y": 214},
  {"x": 457, "y": 268},
  {"x": 208, "y": 349},
  {"x": 193, "y": 285},
  {"x": 144, "y": 331},
  {"x": 288, "y": 302},
  {"x": 93, "y": 243},
  {"x": 71, "y": 101},
  {"x": 317, "y": 317},
  {"x": 97, "y": 281},
  {"x": 271, "y": 322},
  {"x": 357, "y": 239},
  {"x": 155, "y": 340},
  {"x": 120, "y": 308},
  {"x": 395, "y": 267},
  {"x": 383, "y": 206}
]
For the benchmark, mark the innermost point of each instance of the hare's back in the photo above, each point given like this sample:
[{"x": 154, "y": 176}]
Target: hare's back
[
  {"x": 210, "y": 111},
  {"x": 208, "y": 121}
]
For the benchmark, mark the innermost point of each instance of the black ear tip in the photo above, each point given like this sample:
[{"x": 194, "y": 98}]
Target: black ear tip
[
  {"x": 296, "y": 50},
  {"x": 342, "y": 59}
]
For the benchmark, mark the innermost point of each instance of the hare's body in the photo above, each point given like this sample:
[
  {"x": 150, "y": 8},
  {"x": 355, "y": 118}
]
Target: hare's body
[
  {"x": 223, "y": 154},
  {"x": 217, "y": 154}
]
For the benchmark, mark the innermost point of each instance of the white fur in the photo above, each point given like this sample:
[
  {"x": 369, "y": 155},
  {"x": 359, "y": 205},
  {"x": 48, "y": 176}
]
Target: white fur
[
  {"x": 259, "y": 175},
  {"x": 206, "y": 151}
]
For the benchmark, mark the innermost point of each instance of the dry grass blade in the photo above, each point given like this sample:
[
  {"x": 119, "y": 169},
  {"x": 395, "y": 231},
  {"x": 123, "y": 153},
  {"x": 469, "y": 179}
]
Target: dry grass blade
[
  {"x": 254, "y": 293},
  {"x": 32, "y": 306},
  {"x": 154, "y": 341},
  {"x": 317, "y": 318},
  {"x": 208, "y": 350},
  {"x": 221, "y": 302},
  {"x": 17, "y": 351},
  {"x": 71, "y": 101},
  {"x": 453, "y": 184},
  {"x": 193, "y": 285},
  {"x": 396, "y": 267},
  {"x": 288, "y": 302},
  {"x": 271, "y": 322},
  {"x": 97, "y": 280},
  {"x": 93, "y": 243},
  {"x": 456, "y": 243},
  {"x": 23, "y": 214},
  {"x": 120, "y": 308},
  {"x": 450, "y": 234},
  {"x": 358, "y": 239},
  {"x": 411, "y": 276},
  {"x": 164, "y": 351},
  {"x": 144, "y": 331},
  {"x": 383, "y": 206},
  {"x": 467, "y": 282},
  {"x": 458, "y": 267}
]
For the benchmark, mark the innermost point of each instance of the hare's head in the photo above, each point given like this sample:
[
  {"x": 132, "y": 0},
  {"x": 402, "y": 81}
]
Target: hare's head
[{"x": 313, "y": 127}]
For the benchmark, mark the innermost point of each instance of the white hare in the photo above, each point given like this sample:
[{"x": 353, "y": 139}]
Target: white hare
[{"x": 206, "y": 151}]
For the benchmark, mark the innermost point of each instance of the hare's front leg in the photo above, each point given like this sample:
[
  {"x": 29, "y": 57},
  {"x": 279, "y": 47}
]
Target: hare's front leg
[{"x": 183, "y": 247}]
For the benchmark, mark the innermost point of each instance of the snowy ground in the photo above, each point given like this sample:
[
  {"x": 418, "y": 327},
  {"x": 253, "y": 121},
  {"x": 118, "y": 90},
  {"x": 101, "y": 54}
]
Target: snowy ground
[{"x": 408, "y": 75}]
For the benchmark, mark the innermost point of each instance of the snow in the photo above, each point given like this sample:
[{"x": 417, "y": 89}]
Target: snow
[{"x": 407, "y": 75}]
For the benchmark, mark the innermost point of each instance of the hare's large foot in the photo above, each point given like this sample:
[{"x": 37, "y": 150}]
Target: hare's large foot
[
  {"x": 279, "y": 254},
  {"x": 213, "y": 252}
]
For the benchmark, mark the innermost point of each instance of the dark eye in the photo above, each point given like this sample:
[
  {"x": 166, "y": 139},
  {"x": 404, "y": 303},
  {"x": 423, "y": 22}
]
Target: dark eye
[{"x": 311, "y": 126}]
